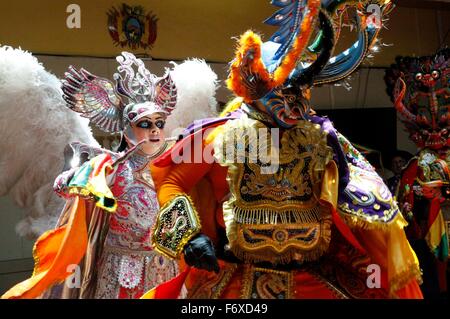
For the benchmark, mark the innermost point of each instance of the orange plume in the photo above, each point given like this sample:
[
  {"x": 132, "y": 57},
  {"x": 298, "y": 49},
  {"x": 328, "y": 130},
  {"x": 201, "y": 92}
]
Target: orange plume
[{"x": 251, "y": 42}]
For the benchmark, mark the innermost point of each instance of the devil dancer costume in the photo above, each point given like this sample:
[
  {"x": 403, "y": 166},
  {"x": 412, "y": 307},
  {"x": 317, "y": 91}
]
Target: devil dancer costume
[
  {"x": 420, "y": 90},
  {"x": 313, "y": 219}
]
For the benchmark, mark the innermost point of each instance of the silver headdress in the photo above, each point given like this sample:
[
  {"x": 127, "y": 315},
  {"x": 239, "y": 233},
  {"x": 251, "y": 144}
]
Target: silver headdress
[{"x": 137, "y": 93}]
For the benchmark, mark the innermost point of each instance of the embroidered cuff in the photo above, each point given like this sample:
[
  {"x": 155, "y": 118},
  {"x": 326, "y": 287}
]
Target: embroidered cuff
[{"x": 177, "y": 223}]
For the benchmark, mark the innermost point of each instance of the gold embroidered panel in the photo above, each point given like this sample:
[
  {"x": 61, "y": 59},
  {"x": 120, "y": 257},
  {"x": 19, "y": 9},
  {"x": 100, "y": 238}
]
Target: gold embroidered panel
[
  {"x": 177, "y": 223},
  {"x": 274, "y": 215}
]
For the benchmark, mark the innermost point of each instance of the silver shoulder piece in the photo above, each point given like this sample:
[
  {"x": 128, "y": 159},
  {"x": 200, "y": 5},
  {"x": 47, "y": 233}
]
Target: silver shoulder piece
[{"x": 77, "y": 153}]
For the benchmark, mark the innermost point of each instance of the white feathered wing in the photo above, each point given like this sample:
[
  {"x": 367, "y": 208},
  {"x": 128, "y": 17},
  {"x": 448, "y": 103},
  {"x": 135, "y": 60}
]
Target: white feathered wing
[{"x": 35, "y": 126}]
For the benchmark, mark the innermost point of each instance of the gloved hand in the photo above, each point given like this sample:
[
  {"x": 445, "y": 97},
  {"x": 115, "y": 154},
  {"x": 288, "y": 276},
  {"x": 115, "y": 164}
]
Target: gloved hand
[{"x": 199, "y": 252}]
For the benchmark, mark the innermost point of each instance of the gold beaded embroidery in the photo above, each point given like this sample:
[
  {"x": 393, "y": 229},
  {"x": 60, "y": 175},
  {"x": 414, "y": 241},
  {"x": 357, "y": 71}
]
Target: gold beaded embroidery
[
  {"x": 276, "y": 216},
  {"x": 177, "y": 223}
]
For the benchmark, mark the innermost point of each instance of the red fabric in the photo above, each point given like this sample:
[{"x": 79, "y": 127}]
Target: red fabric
[
  {"x": 442, "y": 273},
  {"x": 346, "y": 232},
  {"x": 98, "y": 168},
  {"x": 171, "y": 289},
  {"x": 304, "y": 284},
  {"x": 309, "y": 287},
  {"x": 410, "y": 291}
]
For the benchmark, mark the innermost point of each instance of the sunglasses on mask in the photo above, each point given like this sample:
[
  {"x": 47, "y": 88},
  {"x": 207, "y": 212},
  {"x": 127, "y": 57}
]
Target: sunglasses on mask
[{"x": 148, "y": 125}]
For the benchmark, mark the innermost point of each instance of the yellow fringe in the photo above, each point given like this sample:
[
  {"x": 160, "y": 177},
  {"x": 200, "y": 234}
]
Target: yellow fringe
[
  {"x": 357, "y": 222},
  {"x": 400, "y": 280},
  {"x": 286, "y": 256},
  {"x": 88, "y": 192},
  {"x": 268, "y": 215},
  {"x": 231, "y": 106},
  {"x": 289, "y": 253},
  {"x": 79, "y": 191}
]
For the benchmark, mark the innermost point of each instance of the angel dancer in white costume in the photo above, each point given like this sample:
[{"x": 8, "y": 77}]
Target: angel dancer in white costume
[
  {"x": 111, "y": 198},
  {"x": 35, "y": 127}
]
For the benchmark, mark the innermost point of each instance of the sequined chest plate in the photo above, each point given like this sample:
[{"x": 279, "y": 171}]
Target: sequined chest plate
[
  {"x": 275, "y": 216},
  {"x": 133, "y": 187}
]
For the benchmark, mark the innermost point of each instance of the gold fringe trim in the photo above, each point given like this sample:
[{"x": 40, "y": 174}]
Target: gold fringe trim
[
  {"x": 79, "y": 191},
  {"x": 403, "y": 278},
  {"x": 269, "y": 216},
  {"x": 358, "y": 222},
  {"x": 282, "y": 258},
  {"x": 90, "y": 193},
  {"x": 291, "y": 253}
]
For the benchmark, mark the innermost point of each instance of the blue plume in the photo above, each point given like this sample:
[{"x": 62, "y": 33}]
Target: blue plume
[{"x": 288, "y": 19}]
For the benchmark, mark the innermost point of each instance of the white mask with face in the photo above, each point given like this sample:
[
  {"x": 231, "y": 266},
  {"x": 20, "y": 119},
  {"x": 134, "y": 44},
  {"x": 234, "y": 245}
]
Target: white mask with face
[{"x": 144, "y": 122}]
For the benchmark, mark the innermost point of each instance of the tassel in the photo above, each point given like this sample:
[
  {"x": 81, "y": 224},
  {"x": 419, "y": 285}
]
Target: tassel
[{"x": 266, "y": 216}]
